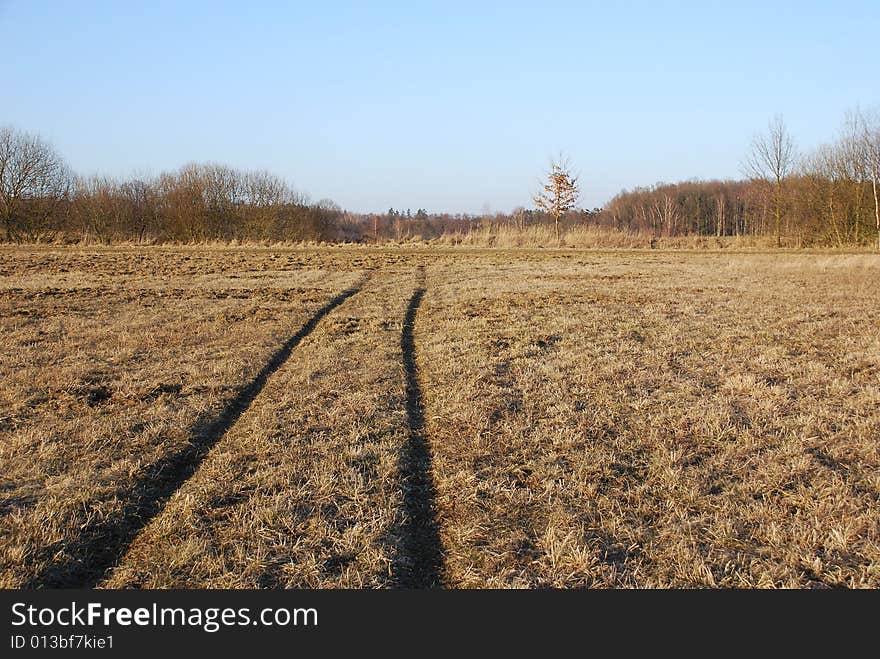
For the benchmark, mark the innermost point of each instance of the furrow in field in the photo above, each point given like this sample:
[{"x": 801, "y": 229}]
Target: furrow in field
[
  {"x": 420, "y": 560},
  {"x": 305, "y": 490},
  {"x": 114, "y": 389},
  {"x": 101, "y": 543}
]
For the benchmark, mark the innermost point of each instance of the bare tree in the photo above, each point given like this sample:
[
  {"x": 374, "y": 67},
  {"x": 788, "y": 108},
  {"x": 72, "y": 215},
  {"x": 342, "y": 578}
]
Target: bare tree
[
  {"x": 771, "y": 160},
  {"x": 97, "y": 210},
  {"x": 519, "y": 217},
  {"x": 822, "y": 173},
  {"x": 871, "y": 145},
  {"x": 33, "y": 181},
  {"x": 560, "y": 192},
  {"x": 142, "y": 200},
  {"x": 665, "y": 215}
]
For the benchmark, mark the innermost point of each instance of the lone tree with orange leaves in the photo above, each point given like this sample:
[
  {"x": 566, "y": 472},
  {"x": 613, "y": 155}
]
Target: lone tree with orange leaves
[{"x": 560, "y": 192}]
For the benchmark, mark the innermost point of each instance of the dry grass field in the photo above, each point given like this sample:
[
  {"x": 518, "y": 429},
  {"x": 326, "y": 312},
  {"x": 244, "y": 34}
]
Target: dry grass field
[{"x": 452, "y": 417}]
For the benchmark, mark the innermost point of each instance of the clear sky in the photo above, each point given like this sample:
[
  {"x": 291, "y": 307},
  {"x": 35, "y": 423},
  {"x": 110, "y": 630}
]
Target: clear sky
[{"x": 450, "y": 106}]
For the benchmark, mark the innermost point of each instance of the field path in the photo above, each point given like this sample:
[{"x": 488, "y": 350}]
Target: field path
[
  {"x": 104, "y": 541},
  {"x": 319, "y": 483},
  {"x": 420, "y": 561}
]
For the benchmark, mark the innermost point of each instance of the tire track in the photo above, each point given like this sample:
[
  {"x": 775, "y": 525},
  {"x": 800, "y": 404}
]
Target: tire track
[
  {"x": 102, "y": 543},
  {"x": 419, "y": 562}
]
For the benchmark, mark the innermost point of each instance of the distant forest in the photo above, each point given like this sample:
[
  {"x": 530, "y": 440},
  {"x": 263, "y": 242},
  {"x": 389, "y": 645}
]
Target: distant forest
[{"x": 827, "y": 197}]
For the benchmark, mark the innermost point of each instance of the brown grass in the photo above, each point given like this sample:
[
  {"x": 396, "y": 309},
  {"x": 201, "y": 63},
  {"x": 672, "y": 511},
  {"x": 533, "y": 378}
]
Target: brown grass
[
  {"x": 615, "y": 419},
  {"x": 111, "y": 362},
  {"x": 305, "y": 490},
  {"x": 657, "y": 421},
  {"x": 593, "y": 237}
]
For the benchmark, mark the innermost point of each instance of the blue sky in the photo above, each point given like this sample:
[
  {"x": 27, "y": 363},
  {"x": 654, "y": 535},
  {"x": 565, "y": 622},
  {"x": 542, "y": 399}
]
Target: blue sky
[{"x": 450, "y": 106}]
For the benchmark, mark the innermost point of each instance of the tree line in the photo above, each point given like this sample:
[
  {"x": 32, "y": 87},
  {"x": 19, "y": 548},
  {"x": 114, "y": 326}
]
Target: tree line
[
  {"x": 828, "y": 196},
  {"x": 42, "y": 200}
]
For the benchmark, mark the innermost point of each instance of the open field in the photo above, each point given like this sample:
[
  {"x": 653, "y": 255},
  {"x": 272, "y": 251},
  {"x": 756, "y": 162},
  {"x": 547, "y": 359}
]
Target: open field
[{"x": 390, "y": 417}]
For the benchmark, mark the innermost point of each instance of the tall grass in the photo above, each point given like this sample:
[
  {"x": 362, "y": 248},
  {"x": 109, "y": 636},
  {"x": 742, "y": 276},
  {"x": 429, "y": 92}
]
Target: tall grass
[
  {"x": 501, "y": 236},
  {"x": 505, "y": 236}
]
